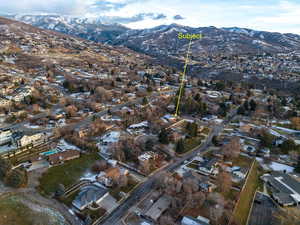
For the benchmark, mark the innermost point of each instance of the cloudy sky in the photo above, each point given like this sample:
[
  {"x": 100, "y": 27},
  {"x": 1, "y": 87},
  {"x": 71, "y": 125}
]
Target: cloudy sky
[{"x": 270, "y": 15}]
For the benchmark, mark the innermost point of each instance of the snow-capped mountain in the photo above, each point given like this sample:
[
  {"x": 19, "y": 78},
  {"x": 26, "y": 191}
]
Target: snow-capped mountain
[
  {"x": 91, "y": 29},
  {"x": 163, "y": 40}
]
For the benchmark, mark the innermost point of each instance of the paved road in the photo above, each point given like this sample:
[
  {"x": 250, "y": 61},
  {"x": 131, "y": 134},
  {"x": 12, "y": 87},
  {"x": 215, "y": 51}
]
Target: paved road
[{"x": 146, "y": 187}]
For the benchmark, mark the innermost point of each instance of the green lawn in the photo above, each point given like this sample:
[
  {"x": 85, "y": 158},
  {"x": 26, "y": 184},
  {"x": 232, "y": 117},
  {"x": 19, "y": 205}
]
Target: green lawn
[
  {"x": 244, "y": 204},
  {"x": 242, "y": 161},
  {"x": 191, "y": 143},
  {"x": 193, "y": 166},
  {"x": 66, "y": 174}
]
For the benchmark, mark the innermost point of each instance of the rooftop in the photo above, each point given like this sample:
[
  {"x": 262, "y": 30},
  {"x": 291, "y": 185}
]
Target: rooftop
[{"x": 88, "y": 195}]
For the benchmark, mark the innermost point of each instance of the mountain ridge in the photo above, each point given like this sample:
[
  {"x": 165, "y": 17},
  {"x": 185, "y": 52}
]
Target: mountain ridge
[{"x": 161, "y": 40}]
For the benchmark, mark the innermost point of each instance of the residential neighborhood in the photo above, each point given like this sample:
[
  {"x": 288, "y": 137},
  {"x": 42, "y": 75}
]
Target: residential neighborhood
[{"x": 110, "y": 133}]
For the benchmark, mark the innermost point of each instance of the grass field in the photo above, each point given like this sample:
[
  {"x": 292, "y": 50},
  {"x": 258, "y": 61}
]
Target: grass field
[
  {"x": 244, "y": 204},
  {"x": 191, "y": 143},
  {"x": 66, "y": 174},
  {"x": 13, "y": 211},
  {"x": 242, "y": 161}
]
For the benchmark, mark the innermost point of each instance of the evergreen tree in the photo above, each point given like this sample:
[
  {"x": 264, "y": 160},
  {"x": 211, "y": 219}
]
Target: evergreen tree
[
  {"x": 149, "y": 145},
  {"x": 241, "y": 110},
  {"x": 215, "y": 141},
  {"x": 163, "y": 137},
  {"x": 5, "y": 167},
  {"x": 192, "y": 129},
  {"x": 197, "y": 97},
  {"x": 297, "y": 169},
  {"x": 246, "y": 105},
  {"x": 180, "y": 147},
  {"x": 199, "y": 83},
  {"x": 288, "y": 145},
  {"x": 145, "y": 101},
  {"x": 253, "y": 105},
  {"x": 60, "y": 190},
  {"x": 267, "y": 139},
  {"x": 220, "y": 86}
]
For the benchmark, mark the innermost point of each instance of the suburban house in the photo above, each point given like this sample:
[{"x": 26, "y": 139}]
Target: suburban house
[
  {"x": 110, "y": 138},
  {"x": 240, "y": 173},
  {"x": 169, "y": 118},
  {"x": 127, "y": 110},
  {"x": 209, "y": 167},
  {"x": 188, "y": 220},
  {"x": 83, "y": 132},
  {"x": 5, "y": 136},
  {"x": 21, "y": 93},
  {"x": 35, "y": 139},
  {"x": 111, "y": 176},
  {"x": 204, "y": 182},
  {"x": 4, "y": 102},
  {"x": 158, "y": 208},
  {"x": 62, "y": 157},
  {"x": 147, "y": 156},
  {"x": 285, "y": 187},
  {"x": 138, "y": 128},
  {"x": 89, "y": 195}
]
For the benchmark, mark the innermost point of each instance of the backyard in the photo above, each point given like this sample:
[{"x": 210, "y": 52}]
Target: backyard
[
  {"x": 243, "y": 206},
  {"x": 66, "y": 174}
]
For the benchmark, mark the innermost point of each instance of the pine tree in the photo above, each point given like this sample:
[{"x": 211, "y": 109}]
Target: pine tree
[
  {"x": 149, "y": 145},
  {"x": 5, "y": 167},
  {"x": 241, "y": 110},
  {"x": 145, "y": 101},
  {"x": 163, "y": 136},
  {"x": 246, "y": 105},
  {"x": 253, "y": 105},
  {"x": 297, "y": 169},
  {"x": 180, "y": 147}
]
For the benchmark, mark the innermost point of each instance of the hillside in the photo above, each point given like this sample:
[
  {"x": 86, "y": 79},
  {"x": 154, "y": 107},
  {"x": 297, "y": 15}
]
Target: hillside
[{"x": 31, "y": 51}]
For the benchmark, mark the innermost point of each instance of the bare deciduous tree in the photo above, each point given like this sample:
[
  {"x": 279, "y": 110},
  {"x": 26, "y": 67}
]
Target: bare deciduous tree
[
  {"x": 224, "y": 181},
  {"x": 233, "y": 148}
]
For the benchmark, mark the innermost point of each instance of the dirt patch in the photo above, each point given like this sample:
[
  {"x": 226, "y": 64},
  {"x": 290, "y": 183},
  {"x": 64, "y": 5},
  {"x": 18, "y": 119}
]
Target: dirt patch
[{"x": 16, "y": 209}]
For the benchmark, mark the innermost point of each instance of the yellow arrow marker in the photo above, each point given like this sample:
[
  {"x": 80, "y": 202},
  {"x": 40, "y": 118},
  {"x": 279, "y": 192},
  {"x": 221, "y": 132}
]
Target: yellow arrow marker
[{"x": 183, "y": 78}]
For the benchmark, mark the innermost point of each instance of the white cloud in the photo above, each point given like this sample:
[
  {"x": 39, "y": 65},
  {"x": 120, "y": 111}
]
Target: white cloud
[
  {"x": 270, "y": 15},
  {"x": 288, "y": 20}
]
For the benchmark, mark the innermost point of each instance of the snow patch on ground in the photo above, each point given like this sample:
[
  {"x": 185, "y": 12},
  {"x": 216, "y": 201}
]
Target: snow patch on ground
[
  {"x": 27, "y": 125},
  {"x": 89, "y": 176},
  {"x": 275, "y": 166},
  {"x": 63, "y": 145},
  {"x": 290, "y": 131}
]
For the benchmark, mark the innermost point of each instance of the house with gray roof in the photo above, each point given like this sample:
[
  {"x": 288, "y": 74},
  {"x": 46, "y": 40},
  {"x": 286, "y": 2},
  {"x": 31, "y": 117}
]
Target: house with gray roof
[
  {"x": 188, "y": 220},
  {"x": 158, "y": 208},
  {"x": 89, "y": 195},
  {"x": 285, "y": 187}
]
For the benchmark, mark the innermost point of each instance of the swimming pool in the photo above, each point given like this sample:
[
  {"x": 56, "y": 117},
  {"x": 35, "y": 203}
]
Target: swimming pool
[{"x": 49, "y": 153}]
